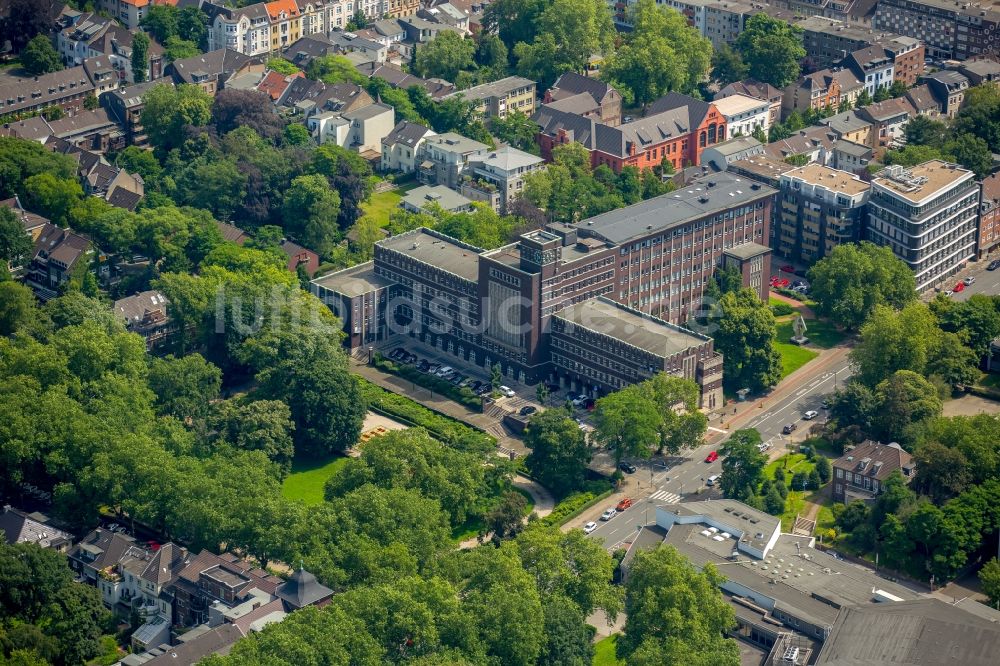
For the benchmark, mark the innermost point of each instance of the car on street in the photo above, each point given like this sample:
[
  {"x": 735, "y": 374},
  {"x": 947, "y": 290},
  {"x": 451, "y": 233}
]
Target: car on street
[
  {"x": 799, "y": 283},
  {"x": 949, "y": 293},
  {"x": 628, "y": 468},
  {"x": 528, "y": 410},
  {"x": 763, "y": 446},
  {"x": 579, "y": 401},
  {"x": 506, "y": 391},
  {"x": 624, "y": 504},
  {"x": 969, "y": 280},
  {"x": 444, "y": 371},
  {"x": 712, "y": 480},
  {"x": 712, "y": 457},
  {"x": 589, "y": 527},
  {"x": 810, "y": 415},
  {"x": 993, "y": 265},
  {"x": 825, "y": 404},
  {"x": 424, "y": 365},
  {"x": 789, "y": 428},
  {"x": 609, "y": 514},
  {"x": 960, "y": 286},
  {"x": 787, "y": 268}
]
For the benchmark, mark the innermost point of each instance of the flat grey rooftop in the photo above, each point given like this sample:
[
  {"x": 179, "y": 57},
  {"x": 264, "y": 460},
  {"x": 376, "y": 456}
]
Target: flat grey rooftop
[
  {"x": 664, "y": 212},
  {"x": 746, "y": 251},
  {"x": 437, "y": 250},
  {"x": 353, "y": 281},
  {"x": 642, "y": 331}
]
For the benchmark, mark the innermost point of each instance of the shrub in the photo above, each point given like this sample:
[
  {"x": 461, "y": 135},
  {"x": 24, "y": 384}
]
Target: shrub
[
  {"x": 445, "y": 428},
  {"x": 782, "y": 309},
  {"x": 462, "y": 396},
  {"x": 576, "y": 503}
]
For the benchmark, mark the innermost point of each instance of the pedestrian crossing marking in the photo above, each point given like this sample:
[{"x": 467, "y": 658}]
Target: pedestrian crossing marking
[{"x": 665, "y": 497}]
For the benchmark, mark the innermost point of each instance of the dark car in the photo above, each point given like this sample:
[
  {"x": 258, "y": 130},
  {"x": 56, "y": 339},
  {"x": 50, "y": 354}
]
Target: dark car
[
  {"x": 995, "y": 264},
  {"x": 528, "y": 410},
  {"x": 628, "y": 468},
  {"x": 424, "y": 365},
  {"x": 789, "y": 428}
]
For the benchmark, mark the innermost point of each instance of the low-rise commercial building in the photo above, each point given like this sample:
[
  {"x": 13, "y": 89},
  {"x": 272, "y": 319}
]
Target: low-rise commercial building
[
  {"x": 497, "y": 99},
  {"x": 504, "y": 169},
  {"x": 744, "y": 115},
  {"x": 927, "y": 215},
  {"x": 757, "y": 90},
  {"x": 988, "y": 235},
  {"x": 820, "y": 209}
]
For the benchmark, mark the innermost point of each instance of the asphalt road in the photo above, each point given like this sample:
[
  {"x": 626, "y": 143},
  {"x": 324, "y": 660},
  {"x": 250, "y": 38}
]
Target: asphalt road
[
  {"x": 678, "y": 479},
  {"x": 987, "y": 282}
]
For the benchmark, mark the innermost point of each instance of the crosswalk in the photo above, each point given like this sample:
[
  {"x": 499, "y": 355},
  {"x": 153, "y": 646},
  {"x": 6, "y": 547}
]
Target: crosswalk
[{"x": 664, "y": 497}]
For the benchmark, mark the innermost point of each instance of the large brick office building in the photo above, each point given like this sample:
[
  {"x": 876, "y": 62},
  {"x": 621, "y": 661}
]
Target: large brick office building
[{"x": 543, "y": 307}]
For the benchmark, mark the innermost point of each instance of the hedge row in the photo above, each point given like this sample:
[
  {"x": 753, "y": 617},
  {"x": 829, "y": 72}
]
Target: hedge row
[
  {"x": 462, "y": 396},
  {"x": 405, "y": 410},
  {"x": 576, "y": 503}
]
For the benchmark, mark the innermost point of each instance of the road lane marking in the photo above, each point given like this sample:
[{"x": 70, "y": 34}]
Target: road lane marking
[{"x": 666, "y": 497}]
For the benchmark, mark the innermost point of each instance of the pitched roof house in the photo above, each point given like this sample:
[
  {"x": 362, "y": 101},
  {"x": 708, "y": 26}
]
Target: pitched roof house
[
  {"x": 20, "y": 527},
  {"x": 861, "y": 472},
  {"x": 607, "y": 100}
]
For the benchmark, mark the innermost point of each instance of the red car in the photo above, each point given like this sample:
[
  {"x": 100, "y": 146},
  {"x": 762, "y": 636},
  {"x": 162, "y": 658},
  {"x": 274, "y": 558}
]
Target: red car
[
  {"x": 712, "y": 457},
  {"x": 787, "y": 268},
  {"x": 624, "y": 504},
  {"x": 959, "y": 287}
]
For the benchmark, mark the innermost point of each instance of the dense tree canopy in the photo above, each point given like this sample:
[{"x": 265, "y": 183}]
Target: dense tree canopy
[
  {"x": 40, "y": 57},
  {"x": 744, "y": 332},
  {"x": 559, "y": 451},
  {"x": 444, "y": 56},
  {"x": 661, "y": 54},
  {"x": 567, "y": 34},
  {"x": 854, "y": 278},
  {"x": 772, "y": 49}
]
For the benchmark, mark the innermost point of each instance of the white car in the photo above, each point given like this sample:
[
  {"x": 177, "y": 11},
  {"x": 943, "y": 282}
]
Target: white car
[
  {"x": 609, "y": 514},
  {"x": 506, "y": 391},
  {"x": 579, "y": 401},
  {"x": 969, "y": 280},
  {"x": 589, "y": 527},
  {"x": 810, "y": 415},
  {"x": 444, "y": 371}
]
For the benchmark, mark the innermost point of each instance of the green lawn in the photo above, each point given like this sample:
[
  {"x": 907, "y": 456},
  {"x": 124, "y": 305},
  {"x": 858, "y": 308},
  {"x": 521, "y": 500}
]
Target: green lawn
[
  {"x": 990, "y": 380},
  {"x": 793, "y": 357},
  {"x": 796, "y": 501},
  {"x": 821, "y": 333},
  {"x": 308, "y": 478},
  {"x": 604, "y": 652},
  {"x": 382, "y": 204}
]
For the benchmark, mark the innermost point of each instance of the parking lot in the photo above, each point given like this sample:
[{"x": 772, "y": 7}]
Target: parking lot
[{"x": 511, "y": 395}]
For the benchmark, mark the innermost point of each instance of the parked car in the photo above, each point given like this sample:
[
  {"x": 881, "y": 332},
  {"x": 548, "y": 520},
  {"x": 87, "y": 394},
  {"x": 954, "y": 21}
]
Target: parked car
[
  {"x": 623, "y": 504},
  {"x": 799, "y": 283},
  {"x": 993, "y": 265},
  {"x": 579, "y": 401},
  {"x": 960, "y": 286},
  {"x": 628, "y": 468},
  {"x": 949, "y": 293},
  {"x": 433, "y": 368},
  {"x": 810, "y": 415},
  {"x": 789, "y": 428},
  {"x": 712, "y": 457},
  {"x": 969, "y": 280},
  {"x": 787, "y": 268},
  {"x": 609, "y": 514},
  {"x": 444, "y": 371},
  {"x": 506, "y": 391},
  {"x": 528, "y": 410},
  {"x": 590, "y": 404},
  {"x": 712, "y": 480},
  {"x": 589, "y": 527},
  {"x": 483, "y": 390},
  {"x": 424, "y": 365},
  {"x": 825, "y": 404}
]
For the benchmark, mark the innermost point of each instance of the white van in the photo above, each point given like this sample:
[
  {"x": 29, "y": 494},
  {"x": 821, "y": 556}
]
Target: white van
[{"x": 712, "y": 480}]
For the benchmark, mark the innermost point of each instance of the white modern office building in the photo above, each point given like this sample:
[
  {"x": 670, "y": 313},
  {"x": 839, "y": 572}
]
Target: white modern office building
[{"x": 927, "y": 215}]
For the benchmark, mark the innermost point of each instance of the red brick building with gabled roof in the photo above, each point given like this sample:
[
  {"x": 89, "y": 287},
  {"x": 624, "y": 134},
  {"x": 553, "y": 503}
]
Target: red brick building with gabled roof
[{"x": 677, "y": 128}]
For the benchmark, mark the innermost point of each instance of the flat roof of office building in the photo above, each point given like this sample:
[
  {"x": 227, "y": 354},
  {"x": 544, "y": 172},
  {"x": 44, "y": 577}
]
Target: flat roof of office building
[
  {"x": 714, "y": 195},
  {"x": 437, "y": 250},
  {"x": 631, "y": 326},
  {"x": 831, "y": 179},
  {"x": 921, "y": 182},
  {"x": 353, "y": 281}
]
